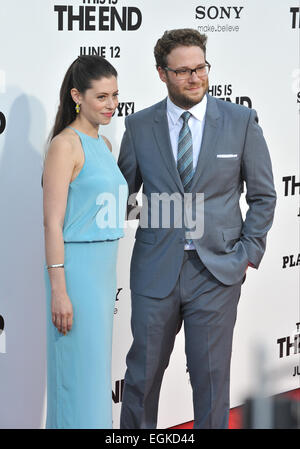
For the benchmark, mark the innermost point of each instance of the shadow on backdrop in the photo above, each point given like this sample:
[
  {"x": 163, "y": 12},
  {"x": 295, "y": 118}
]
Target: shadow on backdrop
[{"x": 22, "y": 303}]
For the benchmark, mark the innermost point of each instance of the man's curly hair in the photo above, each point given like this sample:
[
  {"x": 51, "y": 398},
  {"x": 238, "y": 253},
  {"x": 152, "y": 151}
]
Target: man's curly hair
[{"x": 176, "y": 38}]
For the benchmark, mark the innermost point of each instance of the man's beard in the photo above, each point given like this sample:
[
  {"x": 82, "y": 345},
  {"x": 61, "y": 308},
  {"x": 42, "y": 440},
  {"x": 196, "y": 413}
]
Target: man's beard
[{"x": 183, "y": 101}]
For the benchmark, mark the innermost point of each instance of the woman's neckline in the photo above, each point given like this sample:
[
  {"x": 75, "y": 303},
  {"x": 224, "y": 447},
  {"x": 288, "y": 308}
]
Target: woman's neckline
[{"x": 85, "y": 134}]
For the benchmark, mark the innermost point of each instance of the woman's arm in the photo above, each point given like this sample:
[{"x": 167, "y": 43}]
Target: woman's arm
[{"x": 59, "y": 167}]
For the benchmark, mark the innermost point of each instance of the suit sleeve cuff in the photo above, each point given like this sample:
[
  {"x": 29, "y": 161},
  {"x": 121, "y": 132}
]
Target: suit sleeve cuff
[{"x": 250, "y": 264}]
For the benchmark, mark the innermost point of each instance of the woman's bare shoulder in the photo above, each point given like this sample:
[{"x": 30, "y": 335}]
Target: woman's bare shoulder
[{"x": 67, "y": 141}]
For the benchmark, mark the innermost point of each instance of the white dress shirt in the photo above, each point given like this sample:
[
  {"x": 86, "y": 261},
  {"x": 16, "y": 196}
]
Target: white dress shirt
[{"x": 196, "y": 125}]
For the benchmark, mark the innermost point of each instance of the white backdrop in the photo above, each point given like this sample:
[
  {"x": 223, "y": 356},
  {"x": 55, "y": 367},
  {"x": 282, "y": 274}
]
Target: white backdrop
[{"x": 254, "y": 52}]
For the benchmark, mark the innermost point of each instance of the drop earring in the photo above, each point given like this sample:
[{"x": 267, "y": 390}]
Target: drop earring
[{"x": 77, "y": 108}]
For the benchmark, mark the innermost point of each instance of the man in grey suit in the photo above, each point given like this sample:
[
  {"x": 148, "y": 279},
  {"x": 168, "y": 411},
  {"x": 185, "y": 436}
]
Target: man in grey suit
[{"x": 191, "y": 145}]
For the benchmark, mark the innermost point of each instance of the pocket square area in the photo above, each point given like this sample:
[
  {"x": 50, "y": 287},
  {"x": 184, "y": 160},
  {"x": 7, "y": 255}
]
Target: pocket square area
[{"x": 227, "y": 156}]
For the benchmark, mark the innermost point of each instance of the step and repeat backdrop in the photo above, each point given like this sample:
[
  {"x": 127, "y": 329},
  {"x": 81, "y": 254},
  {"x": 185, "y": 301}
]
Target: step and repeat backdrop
[{"x": 253, "y": 48}]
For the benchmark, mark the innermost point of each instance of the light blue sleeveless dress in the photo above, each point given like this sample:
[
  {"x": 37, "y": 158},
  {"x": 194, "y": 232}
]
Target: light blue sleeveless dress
[{"x": 79, "y": 390}]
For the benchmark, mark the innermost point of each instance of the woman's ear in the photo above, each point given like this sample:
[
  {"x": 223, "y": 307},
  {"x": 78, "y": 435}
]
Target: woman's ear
[{"x": 76, "y": 96}]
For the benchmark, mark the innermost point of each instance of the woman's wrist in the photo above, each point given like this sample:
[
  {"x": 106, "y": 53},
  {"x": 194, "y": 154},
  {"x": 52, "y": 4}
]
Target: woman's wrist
[
  {"x": 58, "y": 289},
  {"x": 57, "y": 280}
]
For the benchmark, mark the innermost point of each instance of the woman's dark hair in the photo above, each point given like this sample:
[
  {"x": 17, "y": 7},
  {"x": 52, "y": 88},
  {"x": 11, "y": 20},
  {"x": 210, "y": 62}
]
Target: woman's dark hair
[{"x": 80, "y": 74}]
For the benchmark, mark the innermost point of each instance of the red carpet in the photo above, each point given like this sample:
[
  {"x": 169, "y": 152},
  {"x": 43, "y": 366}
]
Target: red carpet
[{"x": 235, "y": 414}]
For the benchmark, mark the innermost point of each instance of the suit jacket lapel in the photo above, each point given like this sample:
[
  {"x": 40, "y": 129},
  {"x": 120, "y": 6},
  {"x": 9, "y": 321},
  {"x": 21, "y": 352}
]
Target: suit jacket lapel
[
  {"x": 209, "y": 138},
  {"x": 162, "y": 135}
]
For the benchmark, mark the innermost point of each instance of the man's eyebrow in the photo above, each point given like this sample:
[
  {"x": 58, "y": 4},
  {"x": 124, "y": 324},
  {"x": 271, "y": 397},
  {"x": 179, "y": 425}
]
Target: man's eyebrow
[{"x": 189, "y": 68}]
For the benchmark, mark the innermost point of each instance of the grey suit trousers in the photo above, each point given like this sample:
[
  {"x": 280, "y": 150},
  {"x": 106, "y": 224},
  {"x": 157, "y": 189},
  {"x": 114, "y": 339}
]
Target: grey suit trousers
[{"x": 208, "y": 309}]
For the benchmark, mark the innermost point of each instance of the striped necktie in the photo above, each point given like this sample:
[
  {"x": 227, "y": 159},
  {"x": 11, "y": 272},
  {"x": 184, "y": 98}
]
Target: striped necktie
[
  {"x": 185, "y": 153},
  {"x": 185, "y": 156}
]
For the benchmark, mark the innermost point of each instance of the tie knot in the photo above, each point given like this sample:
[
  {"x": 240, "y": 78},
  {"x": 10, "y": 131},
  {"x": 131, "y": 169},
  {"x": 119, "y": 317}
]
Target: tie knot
[{"x": 185, "y": 116}]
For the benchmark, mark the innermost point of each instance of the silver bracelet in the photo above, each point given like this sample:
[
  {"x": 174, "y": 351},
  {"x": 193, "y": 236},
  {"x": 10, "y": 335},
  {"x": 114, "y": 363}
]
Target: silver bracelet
[{"x": 58, "y": 265}]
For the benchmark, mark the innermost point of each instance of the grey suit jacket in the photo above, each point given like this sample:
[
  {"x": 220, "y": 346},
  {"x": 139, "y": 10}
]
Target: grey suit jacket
[{"x": 233, "y": 152}]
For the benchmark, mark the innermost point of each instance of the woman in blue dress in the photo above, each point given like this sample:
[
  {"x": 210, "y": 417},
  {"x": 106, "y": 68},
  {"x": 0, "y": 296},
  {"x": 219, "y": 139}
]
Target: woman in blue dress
[{"x": 85, "y": 198}]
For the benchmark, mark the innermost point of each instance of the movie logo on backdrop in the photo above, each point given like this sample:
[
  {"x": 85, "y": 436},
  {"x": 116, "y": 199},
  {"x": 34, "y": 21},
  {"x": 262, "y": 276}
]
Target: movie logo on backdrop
[
  {"x": 117, "y": 394},
  {"x": 117, "y": 299},
  {"x": 291, "y": 261},
  {"x": 291, "y": 187},
  {"x": 295, "y": 12},
  {"x": 98, "y": 15},
  {"x": 224, "y": 92},
  {"x": 2, "y": 336},
  {"x": 218, "y": 14},
  {"x": 1, "y": 324},
  {"x": 289, "y": 346},
  {"x": 2, "y": 122},
  {"x": 125, "y": 108}
]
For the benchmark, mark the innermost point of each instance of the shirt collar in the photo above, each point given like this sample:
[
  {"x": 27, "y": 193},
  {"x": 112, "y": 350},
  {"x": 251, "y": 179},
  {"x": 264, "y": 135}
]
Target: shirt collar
[{"x": 175, "y": 112}]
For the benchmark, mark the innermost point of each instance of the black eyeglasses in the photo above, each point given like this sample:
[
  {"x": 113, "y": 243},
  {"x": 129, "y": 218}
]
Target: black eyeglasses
[{"x": 183, "y": 74}]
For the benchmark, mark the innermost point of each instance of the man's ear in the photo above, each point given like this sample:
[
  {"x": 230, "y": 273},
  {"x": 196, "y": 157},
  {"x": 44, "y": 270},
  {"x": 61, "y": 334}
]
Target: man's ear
[{"x": 162, "y": 74}]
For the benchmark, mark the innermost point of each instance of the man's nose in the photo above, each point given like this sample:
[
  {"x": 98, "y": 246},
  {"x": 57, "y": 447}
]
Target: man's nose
[{"x": 194, "y": 76}]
